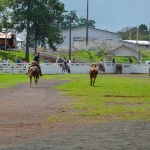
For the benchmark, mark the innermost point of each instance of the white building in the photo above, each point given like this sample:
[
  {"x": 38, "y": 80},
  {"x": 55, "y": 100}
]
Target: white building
[
  {"x": 79, "y": 35},
  {"x": 126, "y": 51}
]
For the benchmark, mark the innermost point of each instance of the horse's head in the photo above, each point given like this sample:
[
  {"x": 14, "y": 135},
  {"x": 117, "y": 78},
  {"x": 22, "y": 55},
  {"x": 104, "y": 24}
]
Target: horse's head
[
  {"x": 33, "y": 71},
  {"x": 93, "y": 65}
]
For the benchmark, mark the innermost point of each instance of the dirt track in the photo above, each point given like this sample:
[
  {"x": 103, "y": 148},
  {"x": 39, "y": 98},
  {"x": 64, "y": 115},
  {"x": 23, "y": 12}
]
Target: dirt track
[{"x": 23, "y": 126}]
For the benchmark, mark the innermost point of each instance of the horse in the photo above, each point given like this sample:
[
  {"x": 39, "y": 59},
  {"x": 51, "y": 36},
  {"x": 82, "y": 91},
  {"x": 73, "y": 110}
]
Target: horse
[
  {"x": 65, "y": 68},
  {"x": 93, "y": 74},
  {"x": 101, "y": 68},
  {"x": 118, "y": 68},
  {"x": 33, "y": 72}
]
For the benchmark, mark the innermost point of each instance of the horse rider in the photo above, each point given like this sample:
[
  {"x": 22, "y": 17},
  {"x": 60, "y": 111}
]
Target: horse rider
[
  {"x": 65, "y": 62},
  {"x": 35, "y": 62},
  {"x": 101, "y": 63}
]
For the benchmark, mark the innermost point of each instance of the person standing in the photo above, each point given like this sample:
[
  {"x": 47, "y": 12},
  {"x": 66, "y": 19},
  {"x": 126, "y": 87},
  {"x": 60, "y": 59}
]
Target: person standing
[
  {"x": 3, "y": 61},
  {"x": 101, "y": 62},
  {"x": 113, "y": 61},
  {"x": 7, "y": 61},
  {"x": 45, "y": 60},
  {"x": 18, "y": 60},
  {"x": 130, "y": 60}
]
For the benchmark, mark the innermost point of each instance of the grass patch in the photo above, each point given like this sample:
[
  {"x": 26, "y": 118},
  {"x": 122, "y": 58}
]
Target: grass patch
[
  {"x": 114, "y": 97},
  {"x": 13, "y": 55},
  {"x": 9, "y": 80}
]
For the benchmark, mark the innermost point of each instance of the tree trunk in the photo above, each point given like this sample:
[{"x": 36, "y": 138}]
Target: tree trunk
[
  {"x": 27, "y": 41},
  {"x": 35, "y": 45}
]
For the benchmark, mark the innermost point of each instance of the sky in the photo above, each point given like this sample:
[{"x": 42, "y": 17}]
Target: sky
[{"x": 112, "y": 15}]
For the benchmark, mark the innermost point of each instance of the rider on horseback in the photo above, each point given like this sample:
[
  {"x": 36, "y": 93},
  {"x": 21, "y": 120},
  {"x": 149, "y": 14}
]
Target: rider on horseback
[
  {"x": 35, "y": 62},
  {"x": 65, "y": 62}
]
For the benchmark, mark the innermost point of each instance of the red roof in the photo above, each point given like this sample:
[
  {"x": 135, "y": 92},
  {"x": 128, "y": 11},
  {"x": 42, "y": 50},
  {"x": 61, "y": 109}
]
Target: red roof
[{"x": 5, "y": 35}]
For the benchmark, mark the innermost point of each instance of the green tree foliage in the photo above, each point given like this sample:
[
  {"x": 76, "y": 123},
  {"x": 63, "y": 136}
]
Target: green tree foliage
[
  {"x": 102, "y": 52},
  {"x": 143, "y": 29},
  {"x": 130, "y": 33},
  {"x": 40, "y": 18},
  {"x": 77, "y": 22},
  {"x": 3, "y": 5}
]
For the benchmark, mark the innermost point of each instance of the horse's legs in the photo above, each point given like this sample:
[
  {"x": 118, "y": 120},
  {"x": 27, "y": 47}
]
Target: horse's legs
[
  {"x": 35, "y": 79},
  {"x": 91, "y": 81},
  {"x": 30, "y": 81}
]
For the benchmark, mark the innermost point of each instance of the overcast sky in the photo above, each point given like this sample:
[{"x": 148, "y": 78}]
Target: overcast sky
[{"x": 112, "y": 15}]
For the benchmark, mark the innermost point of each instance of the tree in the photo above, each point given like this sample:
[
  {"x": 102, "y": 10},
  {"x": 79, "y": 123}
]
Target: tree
[
  {"x": 143, "y": 29},
  {"x": 130, "y": 33},
  {"x": 101, "y": 52},
  {"x": 46, "y": 24},
  {"x": 3, "y": 5},
  {"x": 40, "y": 18},
  {"x": 78, "y": 22}
]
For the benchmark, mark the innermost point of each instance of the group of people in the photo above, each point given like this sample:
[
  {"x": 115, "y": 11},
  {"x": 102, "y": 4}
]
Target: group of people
[
  {"x": 63, "y": 61},
  {"x": 6, "y": 61}
]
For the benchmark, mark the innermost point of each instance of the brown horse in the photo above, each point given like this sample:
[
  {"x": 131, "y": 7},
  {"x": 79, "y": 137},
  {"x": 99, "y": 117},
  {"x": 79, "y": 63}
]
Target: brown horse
[
  {"x": 33, "y": 72},
  {"x": 101, "y": 68},
  {"x": 93, "y": 74}
]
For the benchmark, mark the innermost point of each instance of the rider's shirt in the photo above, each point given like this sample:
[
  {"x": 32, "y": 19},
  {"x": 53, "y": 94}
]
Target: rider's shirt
[
  {"x": 65, "y": 62},
  {"x": 36, "y": 58}
]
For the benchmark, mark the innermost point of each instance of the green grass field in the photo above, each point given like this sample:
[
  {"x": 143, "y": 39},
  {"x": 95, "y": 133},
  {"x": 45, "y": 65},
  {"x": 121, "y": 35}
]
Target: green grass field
[{"x": 114, "y": 97}]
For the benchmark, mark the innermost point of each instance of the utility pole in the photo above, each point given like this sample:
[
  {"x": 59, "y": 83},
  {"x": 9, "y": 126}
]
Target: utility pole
[
  {"x": 137, "y": 38},
  {"x": 70, "y": 39},
  {"x": 87, "y": 19},
  {"x": 149, "y": 33},
  {"x": 70, "y": 23}
]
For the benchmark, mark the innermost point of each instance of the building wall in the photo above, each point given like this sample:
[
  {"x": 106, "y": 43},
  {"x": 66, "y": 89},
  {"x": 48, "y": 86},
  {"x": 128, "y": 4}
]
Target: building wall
[
  {"x": 125, "y": 51},
  {"x": 93, "y": 34}
]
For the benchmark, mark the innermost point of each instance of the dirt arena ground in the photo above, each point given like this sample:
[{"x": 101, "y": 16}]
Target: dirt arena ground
[{"x": 23, "y": 127}]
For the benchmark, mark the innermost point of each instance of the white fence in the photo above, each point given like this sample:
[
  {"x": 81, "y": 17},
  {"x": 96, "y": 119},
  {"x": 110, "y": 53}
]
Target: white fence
[{"x": 54, "y": 68}]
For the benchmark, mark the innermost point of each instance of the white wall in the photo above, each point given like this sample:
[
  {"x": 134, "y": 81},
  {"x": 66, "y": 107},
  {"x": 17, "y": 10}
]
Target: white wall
[{"x": 92, "y": 34}]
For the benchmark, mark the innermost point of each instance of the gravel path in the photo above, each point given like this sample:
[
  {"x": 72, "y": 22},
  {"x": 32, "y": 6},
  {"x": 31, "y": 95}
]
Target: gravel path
[{"x": 23, "y": 127}]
